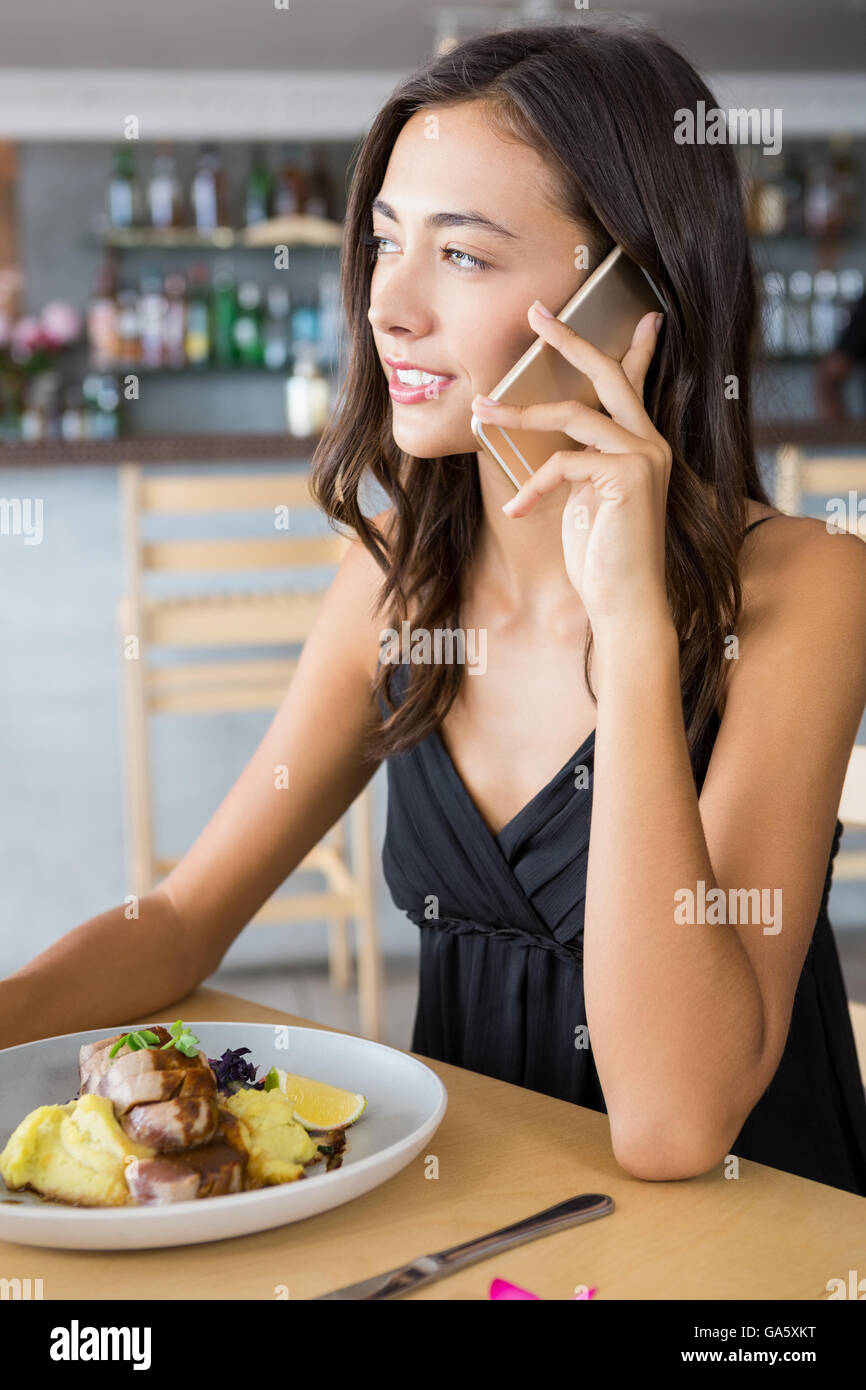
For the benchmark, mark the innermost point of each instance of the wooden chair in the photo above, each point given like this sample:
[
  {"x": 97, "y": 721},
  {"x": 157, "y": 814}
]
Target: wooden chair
[
  {"x": 799, "y": 475},
  {"x": 237, "y": 620}
]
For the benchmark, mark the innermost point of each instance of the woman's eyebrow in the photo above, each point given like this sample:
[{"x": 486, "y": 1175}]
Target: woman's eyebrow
[{"x": 447, "y": 219}]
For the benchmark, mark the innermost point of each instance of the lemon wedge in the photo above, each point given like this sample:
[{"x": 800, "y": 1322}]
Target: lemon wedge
[{"x": 317, "y": 1106}]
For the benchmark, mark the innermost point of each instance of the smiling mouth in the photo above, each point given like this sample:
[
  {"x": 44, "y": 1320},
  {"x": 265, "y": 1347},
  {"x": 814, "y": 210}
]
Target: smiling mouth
[{"x": 413, "y": 376}]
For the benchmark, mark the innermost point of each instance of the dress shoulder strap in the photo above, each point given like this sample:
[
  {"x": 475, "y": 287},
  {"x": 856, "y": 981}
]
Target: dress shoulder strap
[{"x": 752, "y": 524}]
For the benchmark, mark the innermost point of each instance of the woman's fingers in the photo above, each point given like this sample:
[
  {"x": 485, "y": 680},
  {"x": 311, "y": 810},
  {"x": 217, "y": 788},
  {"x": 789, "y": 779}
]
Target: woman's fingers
[
  {"x": 580, "y": 422},
  {"x": 636, "y": 362},
  {"x": 586, "y": 466},
  {"x": 612, "y": 386}
]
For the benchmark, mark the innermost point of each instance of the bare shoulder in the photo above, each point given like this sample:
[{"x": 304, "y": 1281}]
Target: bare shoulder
[
  {"x": 353, "y": 598},
  {"x": 799, "y": 564},
  {"x": 804, "y": 606}
]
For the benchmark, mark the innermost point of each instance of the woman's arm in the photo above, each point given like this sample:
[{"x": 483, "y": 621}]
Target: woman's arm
[
  {"x": 111, "y": 968},
  {"x": 688, "y": 1022}
]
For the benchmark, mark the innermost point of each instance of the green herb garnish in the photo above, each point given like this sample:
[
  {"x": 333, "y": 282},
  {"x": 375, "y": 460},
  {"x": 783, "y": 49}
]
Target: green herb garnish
[
  {"x": 181, "y": 1038},
  {"x": 135, "y": 1041},
  {"x": 272, "y": 1081}
]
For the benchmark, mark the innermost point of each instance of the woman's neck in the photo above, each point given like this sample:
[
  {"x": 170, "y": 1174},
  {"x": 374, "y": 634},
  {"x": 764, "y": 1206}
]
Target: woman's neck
[{"x": 520, "y": 558}]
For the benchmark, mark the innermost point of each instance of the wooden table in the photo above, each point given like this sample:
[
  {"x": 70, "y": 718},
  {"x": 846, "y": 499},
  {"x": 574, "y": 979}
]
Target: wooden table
[{"x": 503, "y": 1152}]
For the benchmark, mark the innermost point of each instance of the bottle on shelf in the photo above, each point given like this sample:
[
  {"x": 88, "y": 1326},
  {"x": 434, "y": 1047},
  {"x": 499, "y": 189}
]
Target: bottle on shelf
[
  {"x": 846, "y": 177},
  {"x": 225, "y": 309},
  {"x": 308, "y": 395},
  {"x": 851, "y": 285},
  {"x": 289, "y": 189},
  {"x": 276, "y": 342},
  {"x": 124, "y": 204},
  {"x": 174, "y": 321},
  {"x": 207, "y": 193},
  {"x": 330, "y": 317},
  {"x": 798, "y": 326},
  {"x": 164, "y": 193},
  {"x": 151, "y": 311},
  {"x": 197, "y": 339},
  {"x": 825, "y": 288},
  {"x": 73, "y": 420},
  {"x": 319, "y": 201},
  {"x": 258, "y": 189},
  {"x": 248, "y": 327},
  {"x": 128, "y": 330},
  {"x": 794, "y": 183},
  {"x": 769, "y": 209},
  {"x": 40, "y": 415},
  {"x": 773, "y": 314},
  {"x": 832, "y": 192},
  {"x": 102, "y": 318},
  {"x": 101, "y": 401},
  {"x": 305, "y": 320}
]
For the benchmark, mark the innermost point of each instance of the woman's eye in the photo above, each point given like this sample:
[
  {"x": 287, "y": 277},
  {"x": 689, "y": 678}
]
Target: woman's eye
[
  {"x": 469, "y": 262},
  {"x": 376, "y": 242},
  {"x": 460, "y": 260}
]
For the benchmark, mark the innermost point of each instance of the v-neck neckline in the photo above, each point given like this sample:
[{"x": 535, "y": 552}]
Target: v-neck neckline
[{"x": 497, "y": 835}]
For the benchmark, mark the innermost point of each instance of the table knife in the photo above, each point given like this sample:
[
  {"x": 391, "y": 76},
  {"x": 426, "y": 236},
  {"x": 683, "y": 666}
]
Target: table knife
[{"x": 426, "y": 1268}]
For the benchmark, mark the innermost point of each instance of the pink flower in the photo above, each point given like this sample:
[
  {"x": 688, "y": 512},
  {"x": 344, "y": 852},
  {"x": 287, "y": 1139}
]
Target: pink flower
[
  {"x": 26, "y": 334},
  {"x": 61, "y": 322}
]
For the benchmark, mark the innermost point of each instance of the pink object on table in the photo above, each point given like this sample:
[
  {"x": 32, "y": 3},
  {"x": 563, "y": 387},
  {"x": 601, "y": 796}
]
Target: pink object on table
[{"x": 500, "y": 1288}]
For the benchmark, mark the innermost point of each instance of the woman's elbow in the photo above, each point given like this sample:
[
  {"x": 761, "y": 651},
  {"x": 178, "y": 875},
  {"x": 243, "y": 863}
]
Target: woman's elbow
[{"x": 666, "y": 1153}]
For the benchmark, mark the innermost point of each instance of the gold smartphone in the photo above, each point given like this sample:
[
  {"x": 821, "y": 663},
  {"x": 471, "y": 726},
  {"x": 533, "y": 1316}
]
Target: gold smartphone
[{"x": 605, "y": 310}]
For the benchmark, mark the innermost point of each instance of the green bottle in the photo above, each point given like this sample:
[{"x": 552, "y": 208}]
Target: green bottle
[
  {"x": 248, "y": 327},
  {"x": 224, "y": 316}
]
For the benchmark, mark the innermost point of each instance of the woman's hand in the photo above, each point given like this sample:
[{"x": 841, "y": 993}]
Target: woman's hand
[{"x": 613, "y": 525}]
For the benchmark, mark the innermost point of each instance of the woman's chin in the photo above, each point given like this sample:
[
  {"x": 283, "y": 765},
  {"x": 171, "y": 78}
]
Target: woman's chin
[{"x": 423, "y": 442}]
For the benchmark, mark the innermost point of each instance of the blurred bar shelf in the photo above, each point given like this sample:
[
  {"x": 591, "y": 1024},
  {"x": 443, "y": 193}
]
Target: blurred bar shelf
[
  {"x": 298, "y": 230},
  {"x": 213, "y": 448},
  {"x": 178, "y": 448}
]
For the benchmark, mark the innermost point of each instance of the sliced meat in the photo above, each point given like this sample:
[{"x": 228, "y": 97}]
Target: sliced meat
[
  {"x": 212, "y": 1170},
  {"x": 94, "y": 1061},
  {"x": 172, "y": 1124},
  {"x": 149, "y": 1086},
  {"x": 161, "y": 1097}
]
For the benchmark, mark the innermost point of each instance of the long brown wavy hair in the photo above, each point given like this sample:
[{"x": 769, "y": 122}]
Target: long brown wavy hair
[{"x": 598, "y": 102}]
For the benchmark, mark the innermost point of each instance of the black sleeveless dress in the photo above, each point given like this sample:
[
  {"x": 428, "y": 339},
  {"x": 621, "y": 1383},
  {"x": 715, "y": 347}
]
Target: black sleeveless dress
[{"x": 501, "y": 973}]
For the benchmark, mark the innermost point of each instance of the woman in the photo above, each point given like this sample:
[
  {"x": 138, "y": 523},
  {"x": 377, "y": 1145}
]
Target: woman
[{"x": 642, "y": 604}]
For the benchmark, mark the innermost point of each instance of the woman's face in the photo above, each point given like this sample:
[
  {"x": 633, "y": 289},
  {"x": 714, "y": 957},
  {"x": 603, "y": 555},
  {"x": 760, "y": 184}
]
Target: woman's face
[{"x": 450, "y": 294}]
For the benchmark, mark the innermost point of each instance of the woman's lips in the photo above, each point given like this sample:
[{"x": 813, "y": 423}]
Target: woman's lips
[{"x": 413, "y": 395}]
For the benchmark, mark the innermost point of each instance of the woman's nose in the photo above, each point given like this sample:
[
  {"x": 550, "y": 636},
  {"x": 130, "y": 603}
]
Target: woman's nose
[{"x": 398, "y": 303}]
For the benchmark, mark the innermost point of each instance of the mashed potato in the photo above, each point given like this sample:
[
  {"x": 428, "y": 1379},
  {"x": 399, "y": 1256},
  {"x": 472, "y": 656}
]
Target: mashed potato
[
  {"x": 72, "y": 1153},
  {"x": 277, "y": 1145}
]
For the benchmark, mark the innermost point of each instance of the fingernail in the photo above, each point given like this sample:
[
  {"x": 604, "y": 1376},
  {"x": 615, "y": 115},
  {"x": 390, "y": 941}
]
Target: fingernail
[
  {"x": 541, "y": 309},
  {"x": 659, "y": 320},
  {"x": 483, "y": 400},
  {"x": 510, "y": 503}
]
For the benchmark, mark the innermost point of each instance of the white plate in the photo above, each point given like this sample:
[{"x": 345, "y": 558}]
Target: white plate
[{"x": 405, "y": 1105}]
